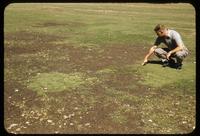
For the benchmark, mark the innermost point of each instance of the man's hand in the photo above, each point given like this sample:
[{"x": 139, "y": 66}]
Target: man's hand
[
  {"x": 168, "y": 55},
  {"x": 151, "y": 50},
  {"x": 144, "y": 62}
]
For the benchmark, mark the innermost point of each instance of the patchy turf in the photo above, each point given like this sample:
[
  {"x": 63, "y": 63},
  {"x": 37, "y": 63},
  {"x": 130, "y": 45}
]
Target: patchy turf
[{"x": 86, "y": 78}]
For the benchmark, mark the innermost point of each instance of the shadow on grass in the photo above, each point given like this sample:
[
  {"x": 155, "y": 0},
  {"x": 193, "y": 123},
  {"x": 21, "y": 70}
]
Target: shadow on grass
[
  {"x": 159, "y": 62},
  {"x": 155, "y": 62}
]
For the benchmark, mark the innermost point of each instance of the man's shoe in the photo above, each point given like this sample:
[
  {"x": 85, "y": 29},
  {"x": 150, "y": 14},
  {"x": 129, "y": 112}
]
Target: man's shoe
[
  {"x": 178, "y": 66},
  {"x": 165, "y": 64},
  {"x": 173, "y": 60}
]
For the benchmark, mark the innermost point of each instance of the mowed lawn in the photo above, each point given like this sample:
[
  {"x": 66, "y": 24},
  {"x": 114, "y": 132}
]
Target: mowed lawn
[{"x": 76, "y": 68}]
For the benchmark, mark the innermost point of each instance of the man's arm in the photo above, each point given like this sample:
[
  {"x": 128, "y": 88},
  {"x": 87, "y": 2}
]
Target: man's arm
[
  {"x": 176, "y": 36},
  {"x": 178, "y": 48},
  {"x": 152, "y": 49}
]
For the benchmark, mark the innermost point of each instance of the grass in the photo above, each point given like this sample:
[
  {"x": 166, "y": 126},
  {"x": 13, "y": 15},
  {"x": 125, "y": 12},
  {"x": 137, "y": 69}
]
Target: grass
[
  {"x": 51, "y": 47},
  {"x": 106, "y": 71},
  {"x": 156, "y": 76},
  {"x": 121, "y": 96},
  {"x": 56, "y": 82},
  {"x": 89, "y": 30},
  {"x": 167, "y": 115},
  {"x": 118, "y": 117}
]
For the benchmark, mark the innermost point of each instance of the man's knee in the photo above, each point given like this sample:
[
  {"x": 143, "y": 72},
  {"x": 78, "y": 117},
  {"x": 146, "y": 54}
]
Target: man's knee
[
  {"x": 160, "y": 53},
  {"x": 181, "y": 54}
]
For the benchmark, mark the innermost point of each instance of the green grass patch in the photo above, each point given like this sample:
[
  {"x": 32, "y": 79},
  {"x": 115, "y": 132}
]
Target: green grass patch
[
  {"x": 56, "y": 82},
  {"x": 157, "y": 76}
]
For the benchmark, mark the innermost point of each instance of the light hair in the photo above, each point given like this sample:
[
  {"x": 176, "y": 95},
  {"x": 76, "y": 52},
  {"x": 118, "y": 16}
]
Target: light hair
[{"x": 159, "y": 27}]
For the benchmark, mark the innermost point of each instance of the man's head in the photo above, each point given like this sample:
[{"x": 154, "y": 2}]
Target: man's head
[{"x": 160, "y": 30}]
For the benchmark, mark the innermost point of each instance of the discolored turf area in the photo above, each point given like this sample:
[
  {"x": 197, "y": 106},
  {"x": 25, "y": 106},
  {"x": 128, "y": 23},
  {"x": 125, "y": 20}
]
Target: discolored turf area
[{"x": 62, "y": 89}]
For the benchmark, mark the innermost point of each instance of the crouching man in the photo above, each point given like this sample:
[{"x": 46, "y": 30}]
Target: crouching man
[{"x": 175, "y": 51}]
